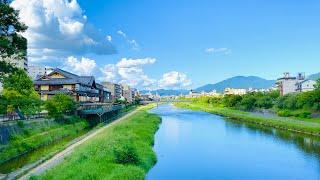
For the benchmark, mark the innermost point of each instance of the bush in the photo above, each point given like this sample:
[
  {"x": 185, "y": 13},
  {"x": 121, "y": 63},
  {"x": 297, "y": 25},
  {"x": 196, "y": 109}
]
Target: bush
[
  {"x": 126, "y": 154},
  {"x": 284, "y": 113},
  {"x": 59, "y": 106}
]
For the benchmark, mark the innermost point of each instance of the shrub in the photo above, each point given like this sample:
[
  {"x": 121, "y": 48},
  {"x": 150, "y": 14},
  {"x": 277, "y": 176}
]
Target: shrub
[
  {"x": 59, "y": 106},
  {"x": 284, "y": 113},
  {"x": 126, "y": 154},
  {"x": 20, "y": 124}
]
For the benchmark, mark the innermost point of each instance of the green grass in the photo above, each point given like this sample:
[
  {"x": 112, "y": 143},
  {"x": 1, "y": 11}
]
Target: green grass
[
  {"x": 292, "y": 124},
  {"x": 19, "y": 145},
  {"x": 42, "y": 153},
  {"x": 122, "y": 151}
]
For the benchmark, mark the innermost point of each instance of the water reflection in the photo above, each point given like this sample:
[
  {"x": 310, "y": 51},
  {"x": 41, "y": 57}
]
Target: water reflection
[
  {"x": 198, "y": 145},
  {"x": 307, "y": 143}
]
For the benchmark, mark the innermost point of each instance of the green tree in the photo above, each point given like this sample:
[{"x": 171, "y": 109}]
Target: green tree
[
  {"x": 11, "y": 42},
  {"x": 264, "y": 102},
  {"x": 231, "y": 100},
  {"x": 317, "y": 85},
  {"x": 248, "y": 102},
  {"x": 60, "y": 105},
  {"x": 19, "y": 93}
]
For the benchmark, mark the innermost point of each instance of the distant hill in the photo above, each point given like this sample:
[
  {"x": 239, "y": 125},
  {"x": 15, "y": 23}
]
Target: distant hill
[
  {"x": 238, "y": 82},
  {"x": 314, "y": 76},
  {"x": 164, "y": 92}
]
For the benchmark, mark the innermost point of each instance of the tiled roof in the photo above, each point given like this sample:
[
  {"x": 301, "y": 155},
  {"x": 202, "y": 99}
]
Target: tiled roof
[{"x": 70, "y": 79}]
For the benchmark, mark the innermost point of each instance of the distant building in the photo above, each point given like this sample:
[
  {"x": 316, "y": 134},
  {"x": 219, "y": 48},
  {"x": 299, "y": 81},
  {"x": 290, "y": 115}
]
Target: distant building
[
  {"x": 37, "y": 71},
  {"x": 81, "y": 88},
  {"x": 306, "y": 85},
  {"x": 126, "y": 93},
  {"x": 193, "y": 94},
  {"x": 288, "y": 84},
  {"x": 212, "y": 93},
  {"x": 134, "y": 94},
  {"x": 115, "y": 89},
  {"x": 233, "y": 91}
]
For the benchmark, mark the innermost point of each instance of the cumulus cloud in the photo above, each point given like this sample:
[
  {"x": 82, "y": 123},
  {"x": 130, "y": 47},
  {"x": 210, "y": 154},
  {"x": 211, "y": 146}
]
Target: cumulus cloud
[
  {"x": 109, "y": 38},
  {"x": 61, "y": 28},
  {"x": 129, "y": 71},
  {"x": 225, "y": 51},
  {"x": 133, "y": 43},
  {"x": 83, "y": 66},
  {"x": 174, "y": 80}
]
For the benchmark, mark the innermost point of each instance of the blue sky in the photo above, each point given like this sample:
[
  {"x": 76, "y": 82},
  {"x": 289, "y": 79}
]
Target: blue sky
[{"x": 208, "y": 40}]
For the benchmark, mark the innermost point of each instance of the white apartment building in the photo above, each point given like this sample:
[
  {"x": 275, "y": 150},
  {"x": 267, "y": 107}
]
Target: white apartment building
[
  {"x": 288, "y": 84},
  {"x": 306, "y": 85}
]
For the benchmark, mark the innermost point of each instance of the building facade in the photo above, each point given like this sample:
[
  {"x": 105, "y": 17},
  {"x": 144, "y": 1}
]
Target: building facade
[
  {"x": 127, "y": 93},
  {"x": 115, "y": 89},
  {"x": 233, "y": 91},
  {"x": 306, "y": 85},
  {"x": 81, "y": 88},
  {"x": 288, "y": 84}
]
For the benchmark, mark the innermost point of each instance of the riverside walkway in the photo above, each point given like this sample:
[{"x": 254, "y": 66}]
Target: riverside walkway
[{"x": 55, "y": 160}]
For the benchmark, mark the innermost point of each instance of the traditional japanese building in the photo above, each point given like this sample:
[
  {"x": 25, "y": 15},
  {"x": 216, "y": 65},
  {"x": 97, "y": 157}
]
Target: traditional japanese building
[{"x": 81, "y": 88}]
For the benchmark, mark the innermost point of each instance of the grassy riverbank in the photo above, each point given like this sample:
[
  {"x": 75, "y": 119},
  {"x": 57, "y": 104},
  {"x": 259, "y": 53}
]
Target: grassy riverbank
[
  {"x": 290, "y": 124},
  {"x": 21, "y": 144},
  {"x": 122, "y": 151}
]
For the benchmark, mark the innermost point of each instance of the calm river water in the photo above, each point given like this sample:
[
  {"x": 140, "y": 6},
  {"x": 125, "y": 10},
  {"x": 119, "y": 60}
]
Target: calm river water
[{"x": 199, "y": 145}]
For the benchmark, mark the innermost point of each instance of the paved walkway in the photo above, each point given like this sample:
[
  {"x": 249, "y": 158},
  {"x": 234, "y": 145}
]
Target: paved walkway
[{"x": 61, "y": 155}]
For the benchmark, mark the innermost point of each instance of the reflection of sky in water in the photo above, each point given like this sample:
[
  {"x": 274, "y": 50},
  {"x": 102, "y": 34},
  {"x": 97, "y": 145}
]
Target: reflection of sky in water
[{"x": 198, "y": 145}]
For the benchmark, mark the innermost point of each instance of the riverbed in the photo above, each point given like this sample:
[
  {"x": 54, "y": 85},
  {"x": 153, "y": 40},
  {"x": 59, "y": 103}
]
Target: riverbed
[{"x": 199, "y": 145}]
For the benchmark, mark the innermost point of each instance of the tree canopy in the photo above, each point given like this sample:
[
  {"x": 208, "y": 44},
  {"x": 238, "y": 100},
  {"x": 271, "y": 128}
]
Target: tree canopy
[
  {"x": 60, "y": 105},
  {"x": 11, "y": 42},
  {"x": 19, "y": 93}
]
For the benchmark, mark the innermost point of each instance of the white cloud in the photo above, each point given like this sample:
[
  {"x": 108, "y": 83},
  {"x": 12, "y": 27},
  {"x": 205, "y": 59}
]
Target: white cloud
[
  {"x": 109, "y": 38},
  {"x": 174, "y": 80},
  {"x": 83, "y": 66},
  {"x": 129, "y": 71},
  {"x": 135, "y": 62},
  {"x": 225, "y": 51},
  {"x": 133, "y": 43},
  {"x": 61, "y": 27}
]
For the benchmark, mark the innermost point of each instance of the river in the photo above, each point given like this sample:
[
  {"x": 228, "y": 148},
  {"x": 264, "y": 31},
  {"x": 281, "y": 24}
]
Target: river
[{"x": 199, "y": 145}]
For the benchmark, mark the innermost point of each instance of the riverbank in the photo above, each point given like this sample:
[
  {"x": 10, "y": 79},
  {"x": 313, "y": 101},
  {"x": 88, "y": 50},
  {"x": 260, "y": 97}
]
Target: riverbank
[
  {"x": 122, "y": 151},
  {"x": 32, "y": 143},
  {"x": 290, "y": 124},
  {"x": 32, "y": 139}
]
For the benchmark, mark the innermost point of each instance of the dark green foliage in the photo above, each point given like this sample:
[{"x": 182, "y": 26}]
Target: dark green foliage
[
  {"x": 59, "y": 106},
  {"x": 20, "y": 124},
  {"x": 248, "y": 102},
  {"x": 231, "y": 100},
  {"x": 317, "y": 86},
  {"x": 11, "y": 43},
  {"x": 126, "y": 153}
]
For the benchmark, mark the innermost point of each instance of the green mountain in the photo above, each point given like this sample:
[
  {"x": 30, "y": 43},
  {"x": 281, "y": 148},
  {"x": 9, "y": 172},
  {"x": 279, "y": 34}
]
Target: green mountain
[
  {"x": 314, "y": 76},
  {"x": 238, "y": 82},
  {"x": 165, "y": 92}
]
